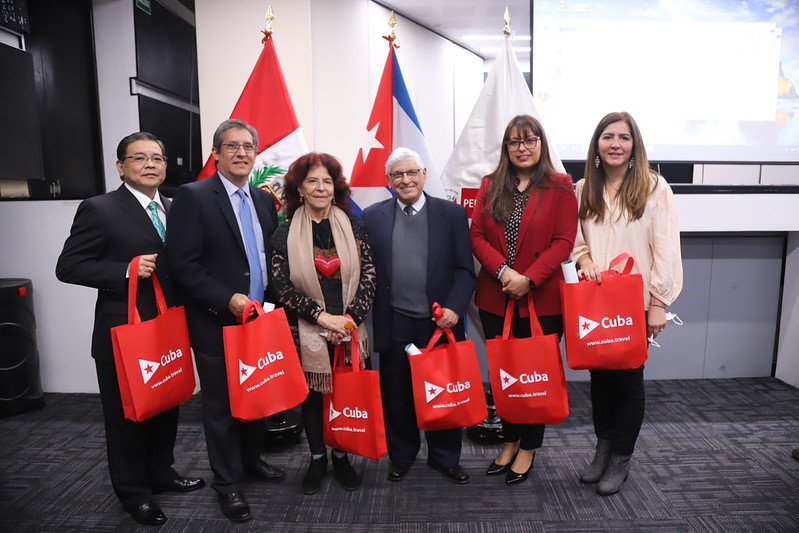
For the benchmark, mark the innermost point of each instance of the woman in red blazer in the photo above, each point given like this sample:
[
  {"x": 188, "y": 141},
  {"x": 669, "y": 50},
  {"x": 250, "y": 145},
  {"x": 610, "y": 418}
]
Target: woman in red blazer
[{"x": 523, "y": 227}]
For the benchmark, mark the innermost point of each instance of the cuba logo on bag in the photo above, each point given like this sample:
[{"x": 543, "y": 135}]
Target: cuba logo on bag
[
  {"x": 149, "y": 368},
  {"x": 605, "y": 328},
  {"x": 247, "y": 371},
  {"x": 507, "y": 380},
  {"x": 432, "y": 391},
  {"x": 352, "y": 413}
]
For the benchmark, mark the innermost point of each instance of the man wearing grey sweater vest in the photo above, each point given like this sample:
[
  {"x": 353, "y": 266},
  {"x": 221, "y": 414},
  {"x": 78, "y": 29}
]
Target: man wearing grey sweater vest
[{"x": 422, "y": 255}]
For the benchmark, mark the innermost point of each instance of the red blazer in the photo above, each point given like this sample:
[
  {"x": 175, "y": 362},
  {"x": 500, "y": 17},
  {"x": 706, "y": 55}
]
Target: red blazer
[{"x": 546, "y": 238}]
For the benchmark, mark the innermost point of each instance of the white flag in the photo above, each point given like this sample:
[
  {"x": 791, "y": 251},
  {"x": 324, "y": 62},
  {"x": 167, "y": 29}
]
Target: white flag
[{"x": 504, "y": 95}]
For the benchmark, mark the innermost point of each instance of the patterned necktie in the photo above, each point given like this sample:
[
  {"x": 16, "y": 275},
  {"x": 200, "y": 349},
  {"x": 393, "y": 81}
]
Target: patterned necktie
[
  {"x": 152, "y": 208},
  {"x": 408, "y": 210},
  {"x": 256, "y": 277}
]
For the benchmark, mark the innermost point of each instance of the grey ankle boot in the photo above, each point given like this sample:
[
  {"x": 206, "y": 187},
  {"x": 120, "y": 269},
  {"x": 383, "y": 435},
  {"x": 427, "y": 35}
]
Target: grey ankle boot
[
  {"x": 593, "y": 472},
  {"x": 615, "y": 475}
]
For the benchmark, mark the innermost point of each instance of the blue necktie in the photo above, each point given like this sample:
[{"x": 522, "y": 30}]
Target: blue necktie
[
  {"x": 256, "y": 278},
  {"x": 152, "y": 207}
]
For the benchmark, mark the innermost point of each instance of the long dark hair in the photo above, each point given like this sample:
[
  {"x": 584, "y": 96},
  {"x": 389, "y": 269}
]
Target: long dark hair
[
  {"x": 499, "y": 202},
  {"x": 297, "y": 173},
  {"x": 638, "y": 181}
]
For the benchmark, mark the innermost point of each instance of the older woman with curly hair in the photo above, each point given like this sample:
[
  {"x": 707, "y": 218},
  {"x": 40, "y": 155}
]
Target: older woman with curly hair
[{"x": 324, "y": 276}]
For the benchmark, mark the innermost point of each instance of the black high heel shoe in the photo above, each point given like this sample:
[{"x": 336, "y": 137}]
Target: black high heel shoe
[
  {"x": 513, "y": 478},
  {"x": 495, "y": 469}
]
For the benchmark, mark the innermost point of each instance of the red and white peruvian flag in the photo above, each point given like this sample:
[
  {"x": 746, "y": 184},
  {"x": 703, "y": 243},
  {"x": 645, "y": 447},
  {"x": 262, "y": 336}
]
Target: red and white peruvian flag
[{"x": 266, "y": 105}]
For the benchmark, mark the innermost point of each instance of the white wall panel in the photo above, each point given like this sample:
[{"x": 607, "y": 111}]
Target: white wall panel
[
  {"x": 228, "y": 45},
  {"x": 682, "y": 348},
  {"x": 32, "y": 235},
  {"x": 744, "y": 297}
]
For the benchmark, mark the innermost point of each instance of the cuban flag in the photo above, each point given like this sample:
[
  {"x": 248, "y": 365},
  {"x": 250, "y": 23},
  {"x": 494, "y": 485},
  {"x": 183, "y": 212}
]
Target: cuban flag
[{"x": 392, "y": 123}]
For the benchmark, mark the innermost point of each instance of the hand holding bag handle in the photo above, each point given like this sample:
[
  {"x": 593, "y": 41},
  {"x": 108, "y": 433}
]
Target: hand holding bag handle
[
  {"x": 247, "y": 314},
  {"x": 438, "y": 312},
  {"x": 354, "y": 354},
  {"x": 133, "y": 287}
]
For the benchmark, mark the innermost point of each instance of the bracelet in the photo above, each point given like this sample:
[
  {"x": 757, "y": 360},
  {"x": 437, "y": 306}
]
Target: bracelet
[
  {"x": 656, "y": 305},
  {"x": 316, "y": 312}
]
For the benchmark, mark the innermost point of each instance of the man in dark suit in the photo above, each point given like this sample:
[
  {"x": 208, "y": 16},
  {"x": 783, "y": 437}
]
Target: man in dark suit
[
  {"x": 422, "y": 255},
  {"x": 219, "y": 230},
  {"x": 109, "y": 230}
]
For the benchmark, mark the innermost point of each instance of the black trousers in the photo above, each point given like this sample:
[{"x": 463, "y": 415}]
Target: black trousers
[
  {"x": 402, "y": 433},
  {"x": 618, "y": 400},
  {"x": 140, "y": 454},
  {"x": 530, "y": 436},
  {"x": 233, "y": 446}
]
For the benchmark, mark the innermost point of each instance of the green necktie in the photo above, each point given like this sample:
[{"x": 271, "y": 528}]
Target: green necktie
[{"x": 159, "y": 226}]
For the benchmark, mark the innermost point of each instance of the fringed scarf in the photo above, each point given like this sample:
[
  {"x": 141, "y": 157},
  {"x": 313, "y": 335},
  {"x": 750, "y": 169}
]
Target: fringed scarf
[{"x": 313, "y": 347}]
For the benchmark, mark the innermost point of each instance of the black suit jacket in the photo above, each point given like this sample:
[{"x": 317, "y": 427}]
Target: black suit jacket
[
  {"x": 450, "y": 267},
  {"x": 208, "y": 260},
  {"x": 108, "y": 231}
]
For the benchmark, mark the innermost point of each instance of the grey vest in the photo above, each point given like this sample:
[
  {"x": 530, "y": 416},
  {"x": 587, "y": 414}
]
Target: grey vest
[{"x": 409, "y": 264}]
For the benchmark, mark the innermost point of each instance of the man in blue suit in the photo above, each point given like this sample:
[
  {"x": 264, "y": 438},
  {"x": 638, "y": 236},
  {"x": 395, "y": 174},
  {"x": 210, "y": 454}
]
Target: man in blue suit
[
  {"x": 422, "y": 255},
  {"x": 219, "y": 230},
  {"x": 109, "y": 230}
]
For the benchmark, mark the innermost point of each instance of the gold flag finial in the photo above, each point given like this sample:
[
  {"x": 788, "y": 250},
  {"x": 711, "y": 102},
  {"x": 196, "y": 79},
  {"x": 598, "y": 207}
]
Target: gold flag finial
[
  {"x": 269, "y": 17},
  {"x": 506, "y": 29},
  {"x": 391, "y": 23}
]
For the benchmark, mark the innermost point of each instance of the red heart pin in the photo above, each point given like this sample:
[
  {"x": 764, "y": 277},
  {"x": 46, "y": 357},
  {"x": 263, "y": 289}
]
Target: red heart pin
[{"x": 327, "y": 265}]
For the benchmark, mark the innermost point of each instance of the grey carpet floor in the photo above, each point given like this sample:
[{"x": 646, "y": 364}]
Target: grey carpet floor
[{"x": 713, "y": 455}]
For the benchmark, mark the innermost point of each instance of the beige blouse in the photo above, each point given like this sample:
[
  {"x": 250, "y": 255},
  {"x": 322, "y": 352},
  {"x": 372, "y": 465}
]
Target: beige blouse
[{"x": 653, "y": 241}]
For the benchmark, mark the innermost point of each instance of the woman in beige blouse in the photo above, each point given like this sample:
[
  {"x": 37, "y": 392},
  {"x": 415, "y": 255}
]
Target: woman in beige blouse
[{"x": 624, "y": 206}]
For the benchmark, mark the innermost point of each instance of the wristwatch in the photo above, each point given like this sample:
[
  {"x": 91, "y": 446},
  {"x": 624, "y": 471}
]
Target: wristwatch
[{"x": 532, "y": 283}]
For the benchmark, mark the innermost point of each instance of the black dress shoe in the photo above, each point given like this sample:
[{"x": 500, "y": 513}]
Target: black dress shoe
[
  {"x": 264, "y": 470},
  {"x": 455, "y": 473},
  {"x": 397, "y": 472},
  {"x": 234, "y": 506},
  {"x": 181, "y": 484},
  {"x": 147, "y": 513},
  {"x": 513, "y": 478}
]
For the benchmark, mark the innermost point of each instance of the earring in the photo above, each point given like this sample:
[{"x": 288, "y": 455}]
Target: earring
[
  {"x": 302, "y": 199},
  {"x": 631, "y": 163},
  {"x": 596, "y": 162}
]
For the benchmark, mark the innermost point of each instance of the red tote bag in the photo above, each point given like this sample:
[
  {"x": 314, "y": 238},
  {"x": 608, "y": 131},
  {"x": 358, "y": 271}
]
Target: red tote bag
[
  {"x": 447, "y": 384},
  {"x": 153, "y": 358},
  {"x": 526, "y": 375},
  {"x": 353, "y": 412},
  {"x": 605, "y": 325},
  {"x": 264, "y": 373}
]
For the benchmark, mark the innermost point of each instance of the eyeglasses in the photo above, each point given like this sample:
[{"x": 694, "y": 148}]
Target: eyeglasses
[
  {"x": 412, "y": 173},
  {"x": 140, "y": 159},
  {"x": 529, "y": 143},
  {"x": 234, "y": 147}
]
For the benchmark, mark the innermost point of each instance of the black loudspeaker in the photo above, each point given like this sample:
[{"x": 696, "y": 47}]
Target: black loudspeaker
[{"x": 20, "y": 383}]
